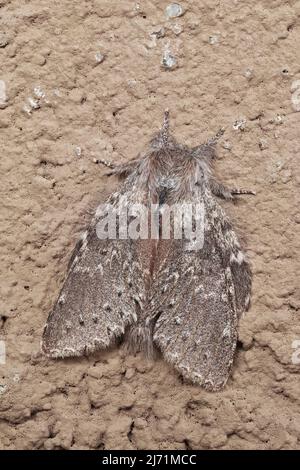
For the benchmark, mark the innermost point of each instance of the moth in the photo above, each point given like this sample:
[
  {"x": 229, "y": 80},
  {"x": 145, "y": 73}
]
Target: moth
[{"x": 156, "y": 293}]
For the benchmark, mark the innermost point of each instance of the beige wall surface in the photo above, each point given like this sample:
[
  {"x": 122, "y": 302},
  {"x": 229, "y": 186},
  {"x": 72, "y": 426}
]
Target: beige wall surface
[{"x": 81, "y": 80}]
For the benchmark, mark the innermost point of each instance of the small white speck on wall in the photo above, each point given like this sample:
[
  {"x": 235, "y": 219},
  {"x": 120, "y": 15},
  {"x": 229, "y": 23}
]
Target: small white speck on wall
[
  {"x": 3, "y": 97},
  {"x": 295, "y": 90},
  {"x": 2, "y": 353},
  {"x": 174, "y": 10}
]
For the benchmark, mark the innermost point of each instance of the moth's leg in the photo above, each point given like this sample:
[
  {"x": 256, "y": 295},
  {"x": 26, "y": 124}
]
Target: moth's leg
[
  {"x": 237, "y": 191},
  {"x": 105, "y": 163},
  {"x": 219, "y": 190},
  {"x": 124, "y": 169}
]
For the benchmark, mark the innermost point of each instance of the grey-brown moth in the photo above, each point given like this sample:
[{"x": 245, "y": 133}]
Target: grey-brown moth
[{"x": 155, "y": 292}]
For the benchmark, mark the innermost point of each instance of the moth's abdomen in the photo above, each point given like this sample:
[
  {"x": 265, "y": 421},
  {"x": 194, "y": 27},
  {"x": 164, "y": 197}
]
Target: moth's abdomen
[{"x": 139, "y": 338}]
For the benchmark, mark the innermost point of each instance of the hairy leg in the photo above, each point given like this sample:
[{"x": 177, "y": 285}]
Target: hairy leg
[
  {"x": 219, "y": 190},
  {"x": 124, "y": 169}
]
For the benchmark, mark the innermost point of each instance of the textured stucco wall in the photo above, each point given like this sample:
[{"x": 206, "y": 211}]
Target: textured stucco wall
[{"x": 236, "y": 61}]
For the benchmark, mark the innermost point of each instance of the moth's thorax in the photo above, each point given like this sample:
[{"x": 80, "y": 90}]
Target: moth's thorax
[
  {"x": 168, "y": 182},
  {"x": 172, "y": 170}
]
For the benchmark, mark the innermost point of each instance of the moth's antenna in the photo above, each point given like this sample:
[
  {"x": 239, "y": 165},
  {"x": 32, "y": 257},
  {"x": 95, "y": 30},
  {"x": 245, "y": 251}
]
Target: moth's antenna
[
  {"x": 165, "y": 127},
  {"x": 215, "y": 139}
]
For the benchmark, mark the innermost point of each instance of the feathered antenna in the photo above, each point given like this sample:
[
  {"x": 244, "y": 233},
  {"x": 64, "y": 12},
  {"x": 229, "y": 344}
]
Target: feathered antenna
[
  {"x": 216, "y": 138},
  {"x": 165, "y": 127}
]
